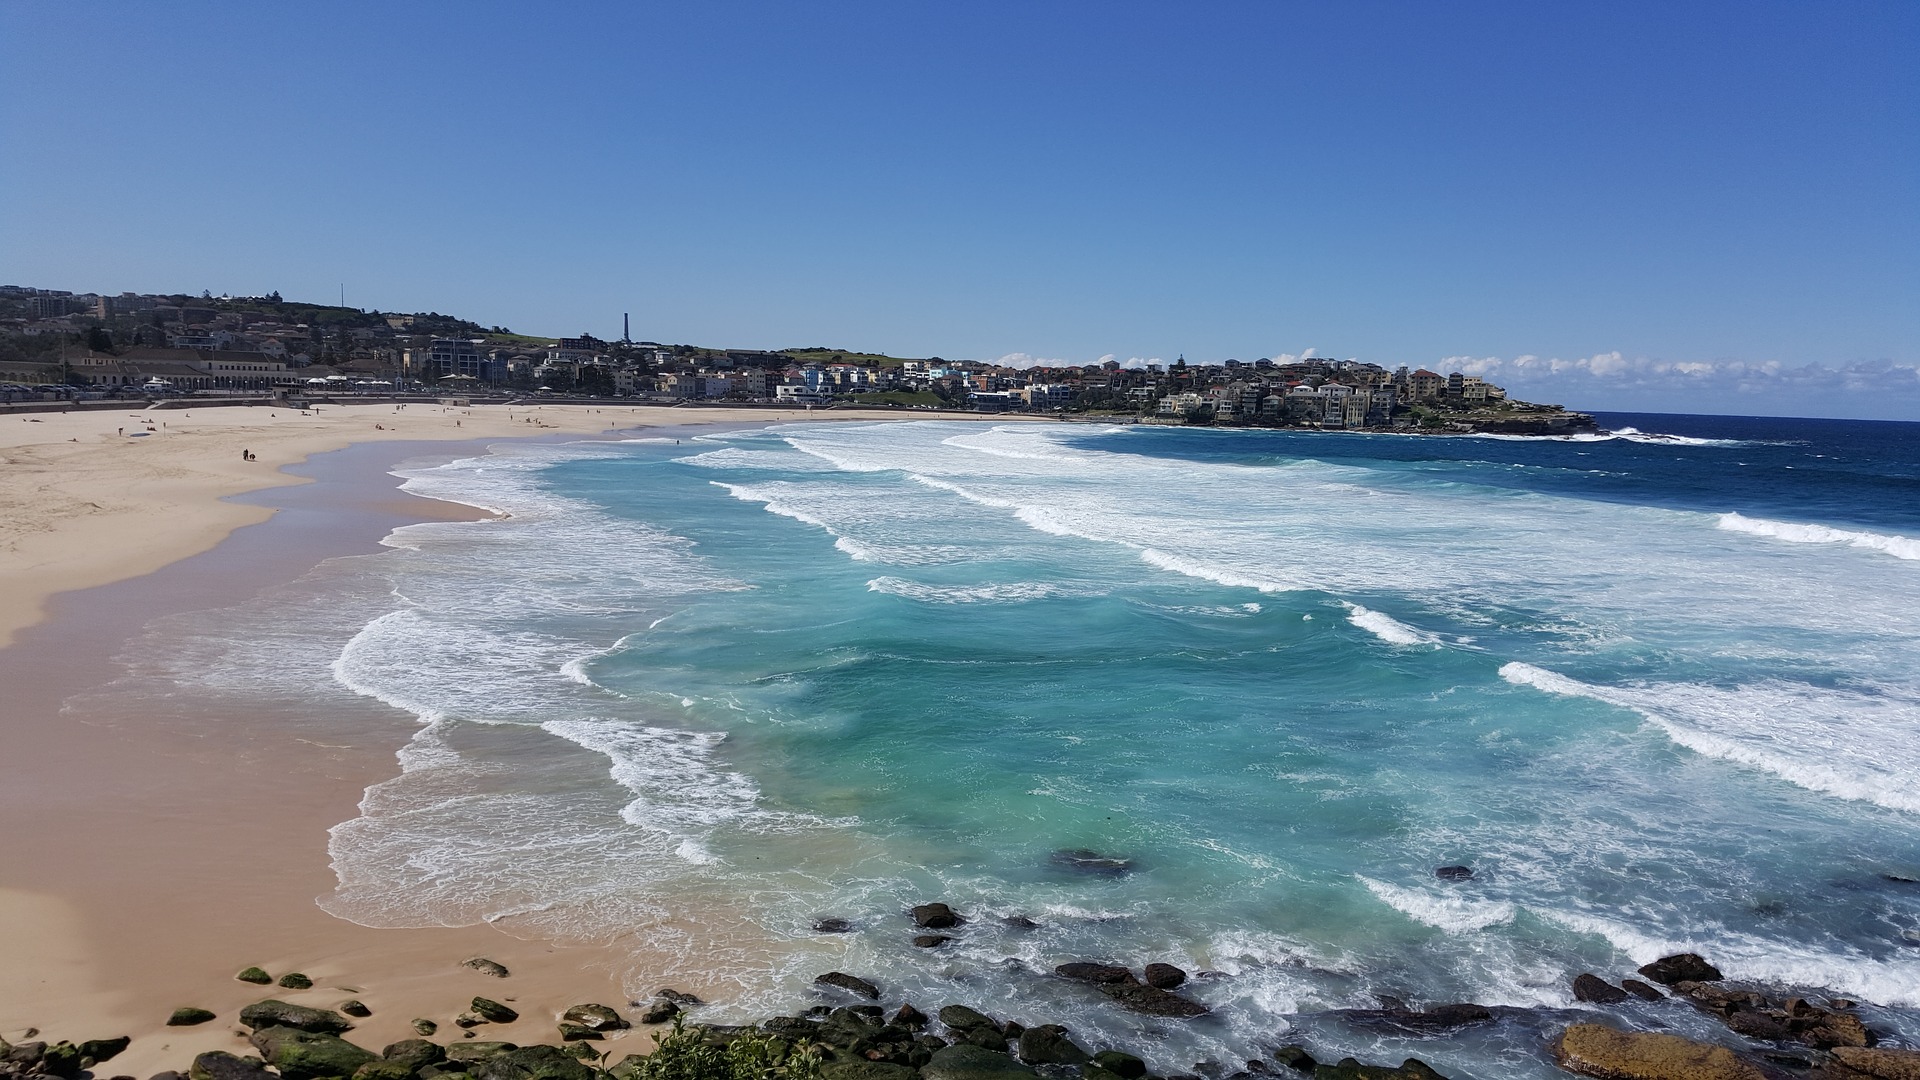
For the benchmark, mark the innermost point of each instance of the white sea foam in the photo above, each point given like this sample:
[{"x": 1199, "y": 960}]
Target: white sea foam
[
  {"x": 1900, "y": 547},
  {"x": 1387, "y": 628},
  {"x": 1454, "y": 914},
  {"x": 1011, "y": 592},
  {"x": 1851, "y": 744}
]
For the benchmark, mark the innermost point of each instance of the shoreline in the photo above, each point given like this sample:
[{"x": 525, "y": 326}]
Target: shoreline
[{"x": 139, "y": 858}]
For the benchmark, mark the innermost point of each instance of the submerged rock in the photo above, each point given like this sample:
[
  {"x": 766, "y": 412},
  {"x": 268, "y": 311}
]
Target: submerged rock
[
  {"x": 486, "y": 967},
  {"x": 1438, "y": 1018},
  {"x": 936, "y": 916},
  {"x": 850, "y": 983},
  {"x": 1081, "y": 971},
  {"x": 1601, "y": 1051},
  {"x": 1453, "y": 873},
  {"x": 188, "y": 1015},
  {"x": 1083, "y": 861},
  {"x": 272, "y": 1013},
  {"x": 930, "y": 941},
  {"x": 1151, "y": 1000},
  {"x": 1681, "y": 967},
  {"x": 1593, "y": 988},
  {"x": 832, "y": 925}
]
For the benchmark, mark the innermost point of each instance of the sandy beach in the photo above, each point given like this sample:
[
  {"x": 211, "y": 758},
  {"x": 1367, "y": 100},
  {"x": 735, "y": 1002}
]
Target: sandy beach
[{"x": 143, "y": 864}]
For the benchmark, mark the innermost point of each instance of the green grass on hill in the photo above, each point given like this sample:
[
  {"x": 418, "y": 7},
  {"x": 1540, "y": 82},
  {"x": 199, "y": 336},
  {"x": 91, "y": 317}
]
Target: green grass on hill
[
  {"x": 842, "y": 356},
  {"x": 896, "y": 397}
]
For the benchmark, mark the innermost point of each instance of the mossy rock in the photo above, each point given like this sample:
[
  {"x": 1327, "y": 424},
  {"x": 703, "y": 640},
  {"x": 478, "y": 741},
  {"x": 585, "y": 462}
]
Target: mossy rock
[
  {"x": 293, "y": 980},
  {"x": 309, "y": 1055},
  {"x": 272, "y": 1013},
  {"x": 188, "y": 1015},
  {"x": 475, "y": 1052},
  {"x": 220, "y": 1065},
  {"x": 968, "y": 1062},
  {"x": 424, "y": 1026},
  {"x": 578, "y": 1033},
  {"x": 1120, "y": 1063},
  {"x": 533, "y": 1063},
  {"x": 866, "y": 1070},
  {"x": 415, "y": 1054},
  {"x": 493, "y": 1012},
  {"x": 255, "y": 975},
  {"x": 383, "y": 1070}
]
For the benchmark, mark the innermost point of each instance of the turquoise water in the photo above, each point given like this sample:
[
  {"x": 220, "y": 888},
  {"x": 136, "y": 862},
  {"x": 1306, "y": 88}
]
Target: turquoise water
[{"x": 1660, "y": 691}]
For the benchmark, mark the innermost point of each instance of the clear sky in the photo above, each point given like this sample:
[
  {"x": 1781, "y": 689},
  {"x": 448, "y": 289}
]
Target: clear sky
[{"x": 1708, "y": 207}]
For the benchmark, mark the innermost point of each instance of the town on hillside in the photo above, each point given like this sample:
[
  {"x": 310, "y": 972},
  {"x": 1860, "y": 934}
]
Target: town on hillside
[{"x": 58, "y": 345}]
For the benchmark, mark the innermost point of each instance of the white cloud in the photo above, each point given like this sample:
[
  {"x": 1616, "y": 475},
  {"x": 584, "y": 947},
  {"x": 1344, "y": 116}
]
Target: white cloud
[{"x": 1613, "y": 380}]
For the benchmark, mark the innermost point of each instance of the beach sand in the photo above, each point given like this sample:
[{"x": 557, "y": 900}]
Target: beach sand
[{"x": 142, "y": 864}]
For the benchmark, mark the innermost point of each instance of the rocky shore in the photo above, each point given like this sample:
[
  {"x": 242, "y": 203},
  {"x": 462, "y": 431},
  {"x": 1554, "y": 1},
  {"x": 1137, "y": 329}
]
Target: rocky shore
[{"x": 855, "y": 1031}]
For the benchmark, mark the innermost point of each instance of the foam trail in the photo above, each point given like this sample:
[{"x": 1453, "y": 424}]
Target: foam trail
[
  {"x": 1900, "y": 547},
  {"x": 1858, "y": 746},
  {"x": 1450, "y": 913},
  {"x": 1387, "y": 628}
]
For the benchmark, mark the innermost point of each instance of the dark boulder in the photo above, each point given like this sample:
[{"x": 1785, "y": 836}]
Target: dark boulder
[
  {"x": 1453, "y": 873},
  {"x": 309, "y": 1055},
  {"x": 1164, "y": 976},
  {"x": 168, "y": 1075},
  {"x": 1597, "y": 990},
  {"x": 595, "y": 1017},
  {"x": 1641, "y": 990},
  {"x": 220, "y": 1065},
  {"x": 414, "y": 1053},
  {"x": 272, "y": 1013},
  {"x": 423, "y": 1026},
  {"x": 832, "y": 925},
  {"x": 486, "y": 967},
  {"x": 1681, "y": 967},
  {"x": 964, "y": 1062},
  {"x": 1151, "y": 1000},
  {"x": 99, "y": 1050},
  {"x": 254, "y": 975},
  {"x": 294, "y": 980},
  {"x": 578, "y": 1033},
  {"x": 961, "y": 1018},
  {"x": 1094, "y": 973},
  {"x": 659, "y": 1011},
  {"x": 383, "y": 1069},
  {"x": 533, "y": 1063},
  {"x": 355, "y": 1008},
  {"x": 936, "y": 916},
  {"x": 492, "y": 1011},
  {"x": 187, "y": 1016},
  {"x": 1438, "y": 1018},
  {"x": 910, "y": 1018},
  {"x": 1121, "y": 1064},
  {"x": 850, "y": 983},
  {"x": 867, "y": 1070},
  {"x": 1048, "y": 1044},
  {"x": 466, "y": 1055},
  {"x": 1020, "y": 922},
  {"x": 930, "y": 941},
  {"x": 1295, "y": 1058},
  {"x": 1083, "y": 861},
  {"x": 1349, "y": 1069},
  {"x": 677, "y": 997}
]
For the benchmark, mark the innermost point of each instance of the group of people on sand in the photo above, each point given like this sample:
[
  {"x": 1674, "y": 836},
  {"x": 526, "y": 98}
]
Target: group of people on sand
[{"x": 248, "y": 455}]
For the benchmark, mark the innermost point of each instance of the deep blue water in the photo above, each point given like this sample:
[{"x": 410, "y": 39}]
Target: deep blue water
[{"x": 1660, "y": 690}]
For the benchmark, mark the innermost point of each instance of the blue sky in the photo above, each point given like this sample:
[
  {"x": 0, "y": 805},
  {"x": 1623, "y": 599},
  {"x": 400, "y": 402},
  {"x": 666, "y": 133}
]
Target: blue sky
[{"x": 1691, "y": 207}]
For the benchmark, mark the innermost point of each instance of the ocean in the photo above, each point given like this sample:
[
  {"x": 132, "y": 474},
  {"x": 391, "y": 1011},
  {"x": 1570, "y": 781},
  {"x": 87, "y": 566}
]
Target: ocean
[{"x": 1659, "y": 689}]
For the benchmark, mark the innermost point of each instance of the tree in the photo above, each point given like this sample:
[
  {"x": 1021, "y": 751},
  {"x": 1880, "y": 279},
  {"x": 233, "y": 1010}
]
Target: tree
[{"x": 98, "y": 340}]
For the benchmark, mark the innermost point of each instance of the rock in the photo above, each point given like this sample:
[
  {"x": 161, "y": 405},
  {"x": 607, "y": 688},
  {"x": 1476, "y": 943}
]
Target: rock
[
  {"x": 578, "y": 1033},
  {"x": 1757, "y": 1025},
  {"x": 294, "y": 980},
  {"x": 414, "y": 1053},
  {"x": 492, "y": 1011},
  {"x": 597, "y": 1017},
  {"x": 832, "y": 924},
  {"x": 1593, "y": 988},
  {"x": 1438, "y": 1018},
  {"x": 467, "y": 1020},
  {"x": 1090, "y": 1071},
  {"x": 1880, "y": 1064},
  {"x": 1640, "y": 990},
  {"x": 964, "y": 1062},
  {"x": 1349, "y": 1069},
  {"x": 355, "y": 1008},
  {"x": 1048, "y": 1044},
  {"x": 425, "y": 1026},
  {"x": 383, "y": 1070},
  {"x": 1121, "y": 1064},
  {"x": 867, "y": 1070},
  {"x": 849, "y": 983},
  {"x": 1295, "y": 1058},
  {"x": 1151, "y": 1000},
  {"x": 1094, "y": 973},
  {"x": 254, "y": 975},
  {"x": 910, "y": 1018},
  {"x": 309, "y": 1055},
  {"x": 1836, "y": 1030},
  {"x": 936, "y": 917},
  {"x": 532, "y": 1063},
  {"x": 187, "y": 1016},
  {"x": 168, "y": 1075},
  {"x": 1453, "y": 873},
  {"x": 1164, "y": 976},
  {"x": 1681, "y": 967},
  {"x": 1083, "y": 861},
  {"x": 271, "y": 1013},
  {"x": 660, "y": 1011},
  {"x": 1013, "y": 1029},
  {"x": 1020, "y": 922},
  {"x": 1598, "y": 1050},
  {"x": 675, "y": 996},
  {"x": 473, "y": 1053},
  {"x": 930, "y": 941},
  {"x": 220, "y": 1065},
  {"x": 961, "y": 1018},
  {"x": 486, "y": 967}
]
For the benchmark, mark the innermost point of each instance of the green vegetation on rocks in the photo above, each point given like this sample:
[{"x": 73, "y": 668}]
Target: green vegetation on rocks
[
  {"x": 187, "y": 1016},
  {"x": 293, "y": 980},
  {"x": 309, "y": 1055},
  {"x": 254, "y": 975},
  {"x": 684, "y": 1053},
  {"x": 220, "y": 1065}
]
